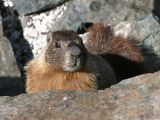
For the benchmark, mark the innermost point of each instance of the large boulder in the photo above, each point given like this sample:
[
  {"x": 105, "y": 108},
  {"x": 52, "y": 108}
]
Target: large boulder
[
  {"x": 132, "y": 99},
  {"x": 156, "y": 9}
]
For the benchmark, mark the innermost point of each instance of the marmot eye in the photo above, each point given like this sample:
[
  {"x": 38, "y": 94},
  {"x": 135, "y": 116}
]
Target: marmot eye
[{"x": 57, "y": 45}]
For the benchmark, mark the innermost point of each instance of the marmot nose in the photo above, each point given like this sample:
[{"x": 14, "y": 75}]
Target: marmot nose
[{"x": 75, "y": 52}]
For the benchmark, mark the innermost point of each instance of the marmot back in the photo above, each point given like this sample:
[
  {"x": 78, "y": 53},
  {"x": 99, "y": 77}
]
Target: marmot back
[{"x": 66, "y": 64}]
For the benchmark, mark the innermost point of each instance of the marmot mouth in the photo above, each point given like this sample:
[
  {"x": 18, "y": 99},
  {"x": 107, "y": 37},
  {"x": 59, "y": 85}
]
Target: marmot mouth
[{"x": 72, "y": 68}]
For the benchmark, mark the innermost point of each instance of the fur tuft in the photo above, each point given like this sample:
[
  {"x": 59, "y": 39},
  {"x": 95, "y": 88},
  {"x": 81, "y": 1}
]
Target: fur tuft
[{"x": 101, "y": 40}]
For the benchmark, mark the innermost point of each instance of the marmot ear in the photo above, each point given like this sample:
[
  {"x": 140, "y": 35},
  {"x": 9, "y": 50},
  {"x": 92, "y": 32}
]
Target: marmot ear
[
  {"x": 83, "y": 28},
  {"x": 49, "y": 36}
]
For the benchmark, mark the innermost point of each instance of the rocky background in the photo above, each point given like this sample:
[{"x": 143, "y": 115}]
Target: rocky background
[{"x": 23, "y": 28}]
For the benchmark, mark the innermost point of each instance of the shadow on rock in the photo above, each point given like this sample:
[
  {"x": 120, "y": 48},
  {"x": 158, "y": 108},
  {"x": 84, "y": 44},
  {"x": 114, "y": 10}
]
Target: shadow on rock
[
  {"x": 11, "y": 86},
  {"x": 156, "y": 9},
  {"x": 12, "y": 29}
]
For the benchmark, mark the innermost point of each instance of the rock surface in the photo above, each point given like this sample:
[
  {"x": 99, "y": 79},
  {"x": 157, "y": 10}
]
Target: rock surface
[
  {"x": 39, "y": 39},
  {"x": 156, "y": 9},
  {"x": 132, "y": 99},
  {"x": 103, "y": 10},
  {"x": 12, "y": 30},
  {"x": 31, "y": 6},
  {"x": 8, "y": 66}
]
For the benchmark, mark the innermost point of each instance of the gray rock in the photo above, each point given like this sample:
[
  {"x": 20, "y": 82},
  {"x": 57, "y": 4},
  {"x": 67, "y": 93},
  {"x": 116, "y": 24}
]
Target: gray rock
[
  {"x": 112, "y": 11},
  {"x": 8, "y": 66},
  {"x": 13, "y": 31},
  {"x": 156, "y": 9},
  {"x": 32, "y": 6},
  {"x": 10, "y": 82},
  {"x": 132, "y": 99}
]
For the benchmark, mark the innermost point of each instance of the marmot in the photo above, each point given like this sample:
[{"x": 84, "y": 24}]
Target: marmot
[
  {"x": 65, "y": 64},
  {"x": 68, "y": 64}
]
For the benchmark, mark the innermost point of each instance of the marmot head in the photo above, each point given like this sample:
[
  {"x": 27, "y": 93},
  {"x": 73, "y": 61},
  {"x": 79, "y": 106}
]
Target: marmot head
[{"x": 66, "y": 51}]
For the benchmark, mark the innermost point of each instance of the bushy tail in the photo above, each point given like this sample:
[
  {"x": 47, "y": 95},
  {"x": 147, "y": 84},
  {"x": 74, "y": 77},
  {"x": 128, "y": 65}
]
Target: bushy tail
[{"x": 101, "y": 40}]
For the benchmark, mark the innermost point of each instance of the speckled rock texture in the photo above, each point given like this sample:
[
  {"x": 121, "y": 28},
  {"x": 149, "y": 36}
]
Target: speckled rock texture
[
  {"x": 132, "y": 99},
  {"x": 110, "y": 11},
  {"x": 33, "y": 6}
]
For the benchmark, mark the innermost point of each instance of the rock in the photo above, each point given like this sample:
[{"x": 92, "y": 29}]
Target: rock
[
  {"x": 12, "y": 29},
  {"x": 103, "y": 10},
  {"x": 132, "y": 99},
  {"x": 8, "y": 66},
  {"x": 10, "y": 82},
  {"x": 32, "y": 6},
  {"x": 31, "y": 25},
  {"x": 156, "y": 9}
]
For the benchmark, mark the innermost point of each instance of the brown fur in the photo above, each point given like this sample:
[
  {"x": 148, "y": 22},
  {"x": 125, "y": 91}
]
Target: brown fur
[
  {"x": 43, "y": 75},
  {"x": 102, "y": 41},
  {"x": 46, "y": 71}
]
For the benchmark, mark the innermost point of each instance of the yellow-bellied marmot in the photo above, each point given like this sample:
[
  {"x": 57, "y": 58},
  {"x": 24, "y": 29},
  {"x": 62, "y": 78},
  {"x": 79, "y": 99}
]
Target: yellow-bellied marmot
[{"x": 67, "y": 64}]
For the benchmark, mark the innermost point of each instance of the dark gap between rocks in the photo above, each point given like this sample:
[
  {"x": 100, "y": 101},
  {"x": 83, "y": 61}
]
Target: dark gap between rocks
[
  {"x": 13, "y": 86},
  {"x": 156, "y": 9}
]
